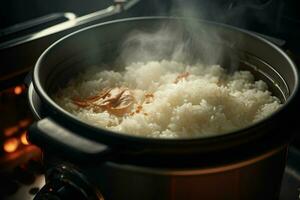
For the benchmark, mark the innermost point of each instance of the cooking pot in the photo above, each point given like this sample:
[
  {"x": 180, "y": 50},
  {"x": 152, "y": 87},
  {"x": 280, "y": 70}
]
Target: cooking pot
[{"x": 84, "y": 159}]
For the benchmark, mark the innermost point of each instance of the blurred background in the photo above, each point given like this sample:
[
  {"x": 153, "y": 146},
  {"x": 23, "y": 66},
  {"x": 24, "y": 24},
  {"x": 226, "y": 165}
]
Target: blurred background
[
  {"x": 28, "y": 27},
  {"x": 275, "y": 17}
]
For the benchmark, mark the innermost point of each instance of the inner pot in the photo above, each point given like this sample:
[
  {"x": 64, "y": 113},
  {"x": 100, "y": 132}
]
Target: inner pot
[
  {"x": 102, "y": 43},
  {"x": 241, "y": 157}
]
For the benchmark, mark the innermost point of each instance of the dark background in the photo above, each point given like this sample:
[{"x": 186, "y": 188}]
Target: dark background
[{"x": 279, "y": 18}]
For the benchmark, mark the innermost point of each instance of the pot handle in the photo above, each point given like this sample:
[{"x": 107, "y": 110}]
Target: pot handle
[
  {"x": 65, "y": 182},
  {"x": 51, "y": 136}
]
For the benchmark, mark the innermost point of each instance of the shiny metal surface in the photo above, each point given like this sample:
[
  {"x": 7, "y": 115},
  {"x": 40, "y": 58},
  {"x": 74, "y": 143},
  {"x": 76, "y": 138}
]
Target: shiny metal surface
[
  {"x": 73, "y": 22},
  {"x": 257, "y": 178}
]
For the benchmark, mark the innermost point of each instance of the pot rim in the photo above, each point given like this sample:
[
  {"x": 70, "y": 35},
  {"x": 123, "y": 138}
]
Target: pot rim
[{"x": 98, "y": 133}]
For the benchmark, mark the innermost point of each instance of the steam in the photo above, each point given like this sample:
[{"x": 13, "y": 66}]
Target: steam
[
  {"x": 188, "y": 41},
  {"x": 164, "y": 43}
]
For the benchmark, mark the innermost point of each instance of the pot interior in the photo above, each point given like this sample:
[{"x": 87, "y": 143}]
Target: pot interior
[
  {"x": 109, "y": 57},
  {"x": 238, "y": 60},
  {"x": 205, "y": 42}
]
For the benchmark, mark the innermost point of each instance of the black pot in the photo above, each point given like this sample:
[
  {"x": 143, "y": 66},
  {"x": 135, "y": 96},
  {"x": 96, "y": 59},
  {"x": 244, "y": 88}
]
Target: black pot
[{"x": 151, "y": 165}]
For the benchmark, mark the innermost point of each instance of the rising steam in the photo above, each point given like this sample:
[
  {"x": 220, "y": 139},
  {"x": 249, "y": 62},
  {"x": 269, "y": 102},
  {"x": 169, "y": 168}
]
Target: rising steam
[{"x": 188, "y": 41}]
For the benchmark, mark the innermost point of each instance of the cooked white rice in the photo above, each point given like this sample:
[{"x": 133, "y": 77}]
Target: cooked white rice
[{"x": 205, "y": 103}]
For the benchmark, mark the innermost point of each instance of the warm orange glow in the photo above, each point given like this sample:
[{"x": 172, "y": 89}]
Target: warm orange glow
[
  {"x": 18, "y": 90},
  {"x": 11, "y": 145},
  {"x": 24, "y": 123},
  {"x": 10, "y": 130},
  {"x": 24, "y": 139}
]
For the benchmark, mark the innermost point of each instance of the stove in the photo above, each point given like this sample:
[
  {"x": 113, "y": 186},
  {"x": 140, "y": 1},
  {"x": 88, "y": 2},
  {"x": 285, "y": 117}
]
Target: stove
[{"x": 24, "y": 36}]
